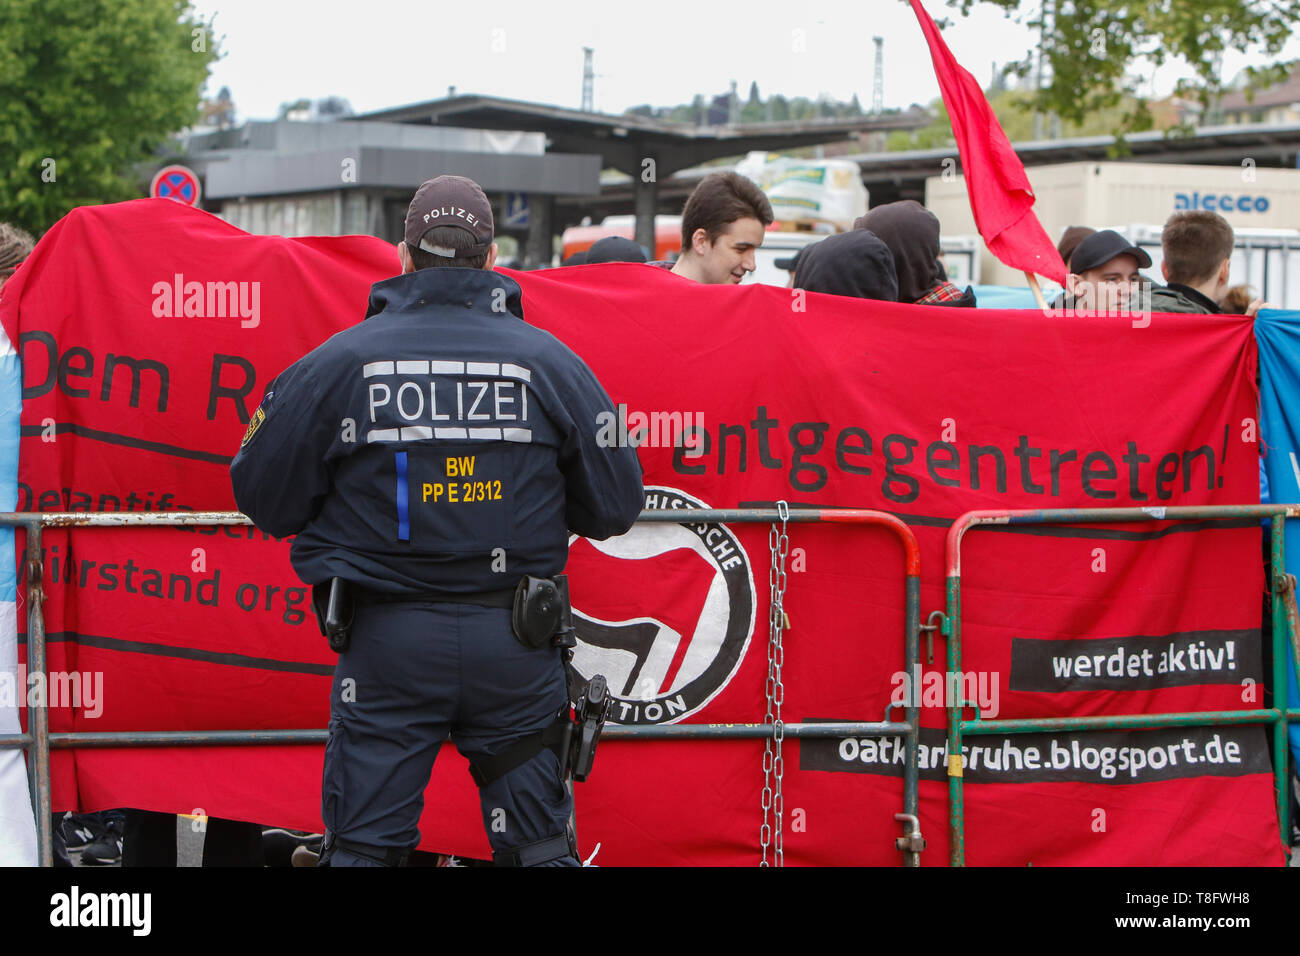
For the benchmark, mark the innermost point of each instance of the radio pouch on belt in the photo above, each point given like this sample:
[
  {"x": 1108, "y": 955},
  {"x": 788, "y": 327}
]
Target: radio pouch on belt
[{"x": 537, "y": 610}]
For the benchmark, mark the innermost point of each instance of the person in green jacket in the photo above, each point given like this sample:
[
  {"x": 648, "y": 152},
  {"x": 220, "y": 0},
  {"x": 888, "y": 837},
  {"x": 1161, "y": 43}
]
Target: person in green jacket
[{"x": 1197, "y": 250}]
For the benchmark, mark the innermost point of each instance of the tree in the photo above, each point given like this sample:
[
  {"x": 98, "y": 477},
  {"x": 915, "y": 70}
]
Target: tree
[
  {"x": 1097, "y": 52},
  {"x": 88, "y": 88},
  {"x": 332, "y": 107},
  {"x": 1014, "y": 110},
  {"x": 753, "y": 111},
  {"x": 221, "y": 111},
  {"x": 300, "y": 105}
]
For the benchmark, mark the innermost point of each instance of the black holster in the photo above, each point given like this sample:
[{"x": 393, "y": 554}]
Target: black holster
[
  {"x": 588, "y": 721},
  {"x": 332, "y": 602}
]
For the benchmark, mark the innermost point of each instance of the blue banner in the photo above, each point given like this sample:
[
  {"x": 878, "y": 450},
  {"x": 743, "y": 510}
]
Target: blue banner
[{"x": 1278, "y": 333}]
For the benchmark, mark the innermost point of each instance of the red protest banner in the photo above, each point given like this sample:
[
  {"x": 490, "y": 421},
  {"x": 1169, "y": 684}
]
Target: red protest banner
[{"x": 816, "y": 400}]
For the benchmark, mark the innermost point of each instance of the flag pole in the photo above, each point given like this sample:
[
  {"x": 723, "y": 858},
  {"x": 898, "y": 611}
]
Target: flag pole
[{"x": 1038, "y": 293}]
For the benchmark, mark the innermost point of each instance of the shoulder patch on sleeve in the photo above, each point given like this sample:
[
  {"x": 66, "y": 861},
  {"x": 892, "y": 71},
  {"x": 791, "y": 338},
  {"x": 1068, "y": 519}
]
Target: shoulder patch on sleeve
[{"x": 259, "y": 416}]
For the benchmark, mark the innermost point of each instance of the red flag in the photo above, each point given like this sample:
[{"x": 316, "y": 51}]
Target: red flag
[{"x": 1000, "y": 194}]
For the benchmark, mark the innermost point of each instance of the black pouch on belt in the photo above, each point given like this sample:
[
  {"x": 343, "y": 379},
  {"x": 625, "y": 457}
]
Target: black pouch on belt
[
  {"x": 537, "y": 611},
  {"x": 332, "y": 602}
]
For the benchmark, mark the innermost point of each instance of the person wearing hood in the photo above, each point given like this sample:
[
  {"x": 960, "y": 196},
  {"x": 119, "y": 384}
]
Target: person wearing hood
[
  {"x": 912, "y": 234},
  {"x": 852, "y": 263}
]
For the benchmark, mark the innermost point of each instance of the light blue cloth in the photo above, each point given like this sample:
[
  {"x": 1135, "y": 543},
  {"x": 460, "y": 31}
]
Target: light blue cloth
[
  {"x": 1010, "y": 296},
  {"x": 1278, "y": 333}
]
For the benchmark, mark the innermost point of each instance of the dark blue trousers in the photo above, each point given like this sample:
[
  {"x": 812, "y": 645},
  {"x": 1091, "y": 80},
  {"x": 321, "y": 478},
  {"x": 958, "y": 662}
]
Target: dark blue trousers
[{"x": 416, "y": 673}]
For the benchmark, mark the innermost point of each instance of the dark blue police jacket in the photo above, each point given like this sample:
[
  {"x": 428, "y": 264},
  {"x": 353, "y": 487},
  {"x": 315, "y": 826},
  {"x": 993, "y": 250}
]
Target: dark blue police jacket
[{"x": 443, "y": 444}]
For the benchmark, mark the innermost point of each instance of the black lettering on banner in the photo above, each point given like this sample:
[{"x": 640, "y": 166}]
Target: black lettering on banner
[
  {"x": 893, "y": 476},
  {"x": 843, "y": 449},
  {"x": 1025, "y": 452},
  {"x": 1091, "y": 472},
  {"x": 236, "y": 394},
  {"x": 803, "y": 448},
  {"x": 29, "y": 363},
  {"x": 764, "y": 425},
  {"x": 820, "y": 452},
  {"x": 949, "y": 463},
  {"x": 1166, "y": 472},
  {"x": 137, "y": 368},
  {"x": 1136, "y": 663},
  {"x": 67, "y": 371},
  {"x": 1109, "y": 757},
  {"x": 701, "y": 436},
  {"x": 984, "y": 451},
  {"x": 723, "y": 432}
]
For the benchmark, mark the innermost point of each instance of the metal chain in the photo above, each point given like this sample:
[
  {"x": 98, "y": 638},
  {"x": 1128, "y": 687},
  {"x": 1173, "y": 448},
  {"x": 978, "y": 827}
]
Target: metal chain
[{"x": 773, "y": 765}]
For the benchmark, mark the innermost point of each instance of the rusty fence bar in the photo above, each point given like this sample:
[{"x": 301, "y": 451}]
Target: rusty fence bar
[
  {"x": 1284, "y": 620},
  {"x": 39, "y": 740}
]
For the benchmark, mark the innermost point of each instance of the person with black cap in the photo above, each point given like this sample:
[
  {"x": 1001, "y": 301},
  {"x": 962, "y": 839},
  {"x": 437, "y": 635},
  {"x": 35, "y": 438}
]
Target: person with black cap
[
  {"x": 853, "y": 263},
  {"x": 615, "y": 249},
  {"x": 429, "y": 460},
  {"x": 1104, "y": 274},
  {"x": 790, "y": 264}
]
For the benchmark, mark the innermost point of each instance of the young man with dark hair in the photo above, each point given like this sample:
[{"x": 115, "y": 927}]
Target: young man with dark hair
[
  {"x": 1197, "y": 256},
  {"x": 722, "y": 225}
]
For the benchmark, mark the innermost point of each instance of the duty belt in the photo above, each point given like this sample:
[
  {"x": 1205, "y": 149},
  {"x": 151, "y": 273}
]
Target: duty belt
[{"x": 503, "y": 598}]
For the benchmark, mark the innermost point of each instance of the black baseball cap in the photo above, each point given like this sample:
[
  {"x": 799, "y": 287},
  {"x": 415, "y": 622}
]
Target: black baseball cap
[
  {"x": 789, "y": 263},
  {"x": 450, "y": 201},
  {"x": 615, "y": 249},
  {"x": 1101, "y": 247}
]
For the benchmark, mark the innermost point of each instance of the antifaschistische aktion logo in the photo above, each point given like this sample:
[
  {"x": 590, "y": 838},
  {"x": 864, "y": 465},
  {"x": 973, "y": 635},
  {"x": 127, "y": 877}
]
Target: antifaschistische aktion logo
[{"x": 665, "y": 612}]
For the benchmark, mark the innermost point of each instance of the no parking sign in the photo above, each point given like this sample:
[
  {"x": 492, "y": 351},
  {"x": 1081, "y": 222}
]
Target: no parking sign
[{"x": 176, "y": 182}]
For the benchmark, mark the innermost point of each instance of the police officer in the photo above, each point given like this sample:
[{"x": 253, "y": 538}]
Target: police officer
[{"x": 430, "y": 457}]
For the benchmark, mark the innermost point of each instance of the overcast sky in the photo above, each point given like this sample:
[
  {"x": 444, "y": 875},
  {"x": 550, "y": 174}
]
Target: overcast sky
[{"x": 382, "y": 53}]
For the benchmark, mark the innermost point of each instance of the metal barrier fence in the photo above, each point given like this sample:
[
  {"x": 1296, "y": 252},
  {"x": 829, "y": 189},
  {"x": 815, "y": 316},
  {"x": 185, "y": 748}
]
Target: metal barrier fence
[
  {"x": 39, "y": 739},
  {"x": 1285, "y": 618}
]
